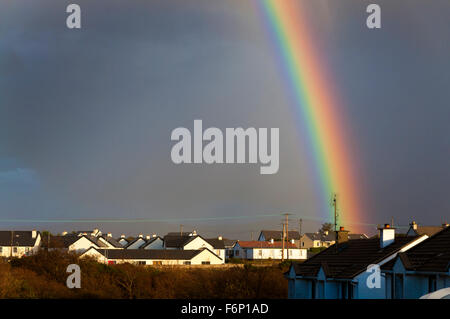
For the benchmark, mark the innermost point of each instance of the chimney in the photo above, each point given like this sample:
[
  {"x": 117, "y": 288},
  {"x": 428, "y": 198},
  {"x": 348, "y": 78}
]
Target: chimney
[
  {"x": 387, "y": 235},
  {"x": 33, "y": 233},
  {"x": 271, "y": 241},
  {"x": 445, "y": 225},
  {"x": 140, "y": 236},
  {"x": 219, "y": 238},
  {"x": 414, "y": 225},
  {"x": 194, "y": 233},
  {"x": 122, "y": 236},
  {"x": 147, "y": 237},
  {"x": 342, "y": 235},
  {"x": 64, "y": 233},
  {"x": 326, "y": 232},
  {"x": 109, "y": 235},
  {"x": 154, "y": 235}
]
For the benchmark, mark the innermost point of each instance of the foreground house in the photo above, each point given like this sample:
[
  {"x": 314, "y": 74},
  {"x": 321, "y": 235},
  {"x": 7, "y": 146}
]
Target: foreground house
[
  {"x": 19, "y": 243},
  {"x": 154, "y": 256},
  {"x": 423, "y": 269},
  {"x": 268, "y": 250},
  {"x": 340, "y": 271}
]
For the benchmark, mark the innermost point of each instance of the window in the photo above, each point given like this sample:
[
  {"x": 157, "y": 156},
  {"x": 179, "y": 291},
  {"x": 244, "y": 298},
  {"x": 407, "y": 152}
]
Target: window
[
  {"x": 111, "y": 262},
  {"x": 141, "y": 262},
  {"x": 237, "y": 252},
  {"x": 15, "y": 249},
  {"x": 206, "y": 263},
  {"x": 186, "y": 263},
  {"x": 1, "y": 250},
  {"x": 260, "y": 252},
  {"x": 303, "y": 244},
  {"x": 157, "y": 262}
]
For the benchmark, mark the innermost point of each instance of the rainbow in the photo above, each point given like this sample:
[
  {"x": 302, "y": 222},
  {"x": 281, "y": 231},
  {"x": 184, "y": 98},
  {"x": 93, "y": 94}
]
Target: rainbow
[{"x": 316, "y": 106}]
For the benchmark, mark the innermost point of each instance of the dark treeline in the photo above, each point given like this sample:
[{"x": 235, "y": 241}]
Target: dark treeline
[{"x": 44, "y": 276}]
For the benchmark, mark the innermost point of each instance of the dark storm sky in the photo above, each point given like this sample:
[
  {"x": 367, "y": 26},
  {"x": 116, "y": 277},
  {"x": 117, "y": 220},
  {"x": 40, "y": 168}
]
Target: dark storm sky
[{"x": 86, "y": 115}]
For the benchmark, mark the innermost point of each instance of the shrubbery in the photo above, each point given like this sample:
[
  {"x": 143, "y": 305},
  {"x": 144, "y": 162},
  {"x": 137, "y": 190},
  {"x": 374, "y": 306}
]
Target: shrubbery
[{"x": 44, "y": 276}]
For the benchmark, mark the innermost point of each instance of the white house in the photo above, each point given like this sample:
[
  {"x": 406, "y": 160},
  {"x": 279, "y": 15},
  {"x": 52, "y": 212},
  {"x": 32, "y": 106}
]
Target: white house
[
  {"x": 74, "y": 243},
  {"x": 268, "y": 250},
  {"x": 19, "y": 243},
  {"x": 155, "y": 256},
  {"x": 218, "y": 246},
  {"x": 340, "y": 271}
]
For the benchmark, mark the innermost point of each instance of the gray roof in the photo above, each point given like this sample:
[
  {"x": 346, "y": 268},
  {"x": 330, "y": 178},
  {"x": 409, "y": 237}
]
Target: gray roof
[
  {"x": 19, "y": 238},
  {"x": 64, "y": 241},
  {"x": 112, "y": 241},
  {"x": 216, "y": 243},
  {"x": 148, "y": 242},
  {"x": 276, "y": 234},
  {"x": 149, "y": 254}
]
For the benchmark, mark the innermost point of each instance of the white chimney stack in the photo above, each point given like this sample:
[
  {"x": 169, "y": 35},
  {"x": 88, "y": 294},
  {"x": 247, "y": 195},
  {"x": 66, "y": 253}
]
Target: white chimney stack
[
  {"x": 414, "y": 225},
  {"x": 33, "y": 233},
  {"x": 147, "y": 237},
  {"x": 122, "y": 236},
  {"x": 219, "y": 238},
  {"x": 64, "y": 233},
  {"x": 140, "y": 236},
  {"x": 109, "y": 235},
  {"x": 154, "y": 235},
  {"x": 387, "y": 235}
]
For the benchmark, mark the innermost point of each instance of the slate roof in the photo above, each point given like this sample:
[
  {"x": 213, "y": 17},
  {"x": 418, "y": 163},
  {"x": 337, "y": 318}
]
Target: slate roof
[
  {"x": 20, "y": 238},
  {"x": 176, "y": 241},
  {"x": 229, "y": 243},
  {"x": 148, "y": 242},
  {"x": 67, "y": 240},
  {"x": 331, "y": 236},
  {"x": 112, "y": 241},
  {"x": 426, "y": 230},
  {"x": 216, "y": 243},
  {"x": 352, "y": 257},
  {"x": 133, "y": 241},
  {"x": 431, "y": 255},
  {"x": 277, "y": 234},
  {"x": 149, "y": 254},
  {"x": 265, "y": 244}
]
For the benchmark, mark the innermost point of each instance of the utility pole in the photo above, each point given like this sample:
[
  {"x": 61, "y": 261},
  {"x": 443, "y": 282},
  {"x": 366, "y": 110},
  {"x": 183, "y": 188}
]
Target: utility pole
[
  {"x": 300, "y": 232},
  {"x": 287, "y": 234},
  {"x": 12, "y": 235},
  {"x": 282, "y": 249},
  {"x": 335, "y": 220},
  {"x": 251, "y": 235},
  {"x": 181, "y": 230}
]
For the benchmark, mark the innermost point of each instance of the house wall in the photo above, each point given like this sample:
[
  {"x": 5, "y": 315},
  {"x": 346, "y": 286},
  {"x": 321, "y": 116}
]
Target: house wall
[
  {"x": 362, "y": 291},
  {"x": 272, "y": 253},
  {"x": 198, "y": 243},
  {"x": 81, "y": 245},
  {"x": 19, "y": 251}
]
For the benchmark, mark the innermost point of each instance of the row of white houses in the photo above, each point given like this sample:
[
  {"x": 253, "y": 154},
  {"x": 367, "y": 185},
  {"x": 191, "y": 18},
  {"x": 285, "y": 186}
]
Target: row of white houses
[{"x": 174, "y": 248}]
